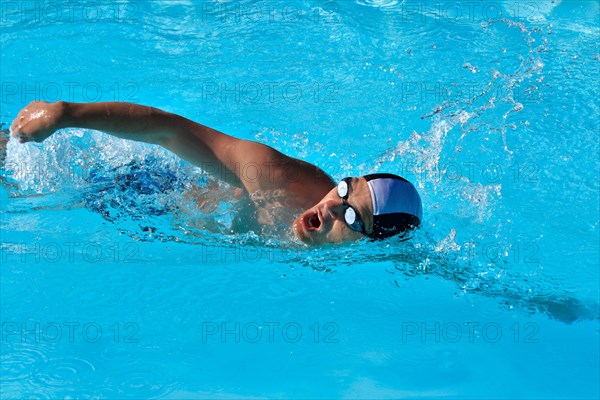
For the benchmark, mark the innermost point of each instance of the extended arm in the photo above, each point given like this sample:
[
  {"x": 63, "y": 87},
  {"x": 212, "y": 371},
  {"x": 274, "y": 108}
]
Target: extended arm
[{"x": 217, "y": 153}]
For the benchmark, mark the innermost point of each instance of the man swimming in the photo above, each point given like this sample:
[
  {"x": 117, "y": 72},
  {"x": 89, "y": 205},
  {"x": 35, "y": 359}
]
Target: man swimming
[{"x": 374, "y": 206}]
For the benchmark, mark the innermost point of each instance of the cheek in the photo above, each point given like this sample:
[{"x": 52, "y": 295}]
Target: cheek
[
  {"x": 340, "y": 232},
  {"x": 335, "y": 233}
]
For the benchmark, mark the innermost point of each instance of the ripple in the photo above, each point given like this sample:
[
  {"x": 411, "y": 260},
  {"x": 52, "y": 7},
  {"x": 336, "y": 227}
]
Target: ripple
[
  {"x": 34, "y": 395},
  {"x": 18, "y": 364},
  {"x": 139, "y": 380},
  {"x": 62, "y": 372}
]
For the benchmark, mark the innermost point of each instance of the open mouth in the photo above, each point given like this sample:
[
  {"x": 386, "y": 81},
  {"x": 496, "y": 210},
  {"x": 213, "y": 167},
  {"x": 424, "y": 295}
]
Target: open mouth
[{"x": 312, "y": 221}]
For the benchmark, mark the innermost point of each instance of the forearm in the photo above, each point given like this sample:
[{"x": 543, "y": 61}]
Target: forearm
[
  {"x": 124, "y": 120},
  {"x": 191, "y": 141}
]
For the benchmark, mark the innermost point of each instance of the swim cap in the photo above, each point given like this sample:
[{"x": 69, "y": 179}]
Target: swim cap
[{"x": 396, "y": 205}]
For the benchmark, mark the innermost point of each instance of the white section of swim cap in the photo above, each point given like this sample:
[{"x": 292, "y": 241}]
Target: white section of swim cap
[
  {"x": 373, "y": 198},
  {"x": 394, "y": 196}
]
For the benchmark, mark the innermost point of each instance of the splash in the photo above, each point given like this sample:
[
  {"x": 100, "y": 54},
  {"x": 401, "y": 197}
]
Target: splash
[{"x": 149, "y": 193}]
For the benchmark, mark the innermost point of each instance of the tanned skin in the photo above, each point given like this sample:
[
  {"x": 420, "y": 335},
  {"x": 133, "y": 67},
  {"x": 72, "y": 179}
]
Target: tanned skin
[{"x": 260, "y": 171}]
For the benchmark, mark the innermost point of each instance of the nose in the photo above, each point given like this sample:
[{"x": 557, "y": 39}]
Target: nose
[{"x": 334, "y": 208}]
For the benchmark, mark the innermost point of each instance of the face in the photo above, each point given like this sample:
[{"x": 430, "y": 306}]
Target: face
[{"x": 325, "y": 222}]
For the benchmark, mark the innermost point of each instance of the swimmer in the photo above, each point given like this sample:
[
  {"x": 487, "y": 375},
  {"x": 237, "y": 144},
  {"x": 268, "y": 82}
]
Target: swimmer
[{"x": 374, "y": 206}]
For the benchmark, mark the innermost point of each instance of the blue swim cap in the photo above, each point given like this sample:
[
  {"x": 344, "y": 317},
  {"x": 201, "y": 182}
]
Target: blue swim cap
[{"x": 396, "y": 205}]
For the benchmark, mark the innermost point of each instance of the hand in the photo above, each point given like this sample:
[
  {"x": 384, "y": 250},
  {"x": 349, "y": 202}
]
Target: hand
[{"x": 37, "y": 121}]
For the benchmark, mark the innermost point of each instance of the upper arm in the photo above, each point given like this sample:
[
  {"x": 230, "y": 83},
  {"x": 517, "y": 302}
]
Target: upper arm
[{"x": 242, "y": 163}]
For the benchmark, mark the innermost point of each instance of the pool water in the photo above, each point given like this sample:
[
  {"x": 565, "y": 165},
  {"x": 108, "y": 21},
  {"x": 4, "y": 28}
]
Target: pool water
[{"x": 117, "y": 283}]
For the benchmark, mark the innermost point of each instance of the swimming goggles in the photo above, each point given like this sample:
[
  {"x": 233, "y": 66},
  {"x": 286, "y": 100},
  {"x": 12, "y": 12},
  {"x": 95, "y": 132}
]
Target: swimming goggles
[{"x": 351, "y": 216}]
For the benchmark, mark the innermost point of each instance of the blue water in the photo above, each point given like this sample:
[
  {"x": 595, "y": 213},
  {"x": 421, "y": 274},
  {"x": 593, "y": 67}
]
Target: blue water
[{"x": 116, "y": 284}]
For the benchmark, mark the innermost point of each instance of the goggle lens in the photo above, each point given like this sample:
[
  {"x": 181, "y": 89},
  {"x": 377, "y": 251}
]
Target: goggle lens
[
  {"x": 350, "y": 215},
  {"x": 342, "y": 189}
]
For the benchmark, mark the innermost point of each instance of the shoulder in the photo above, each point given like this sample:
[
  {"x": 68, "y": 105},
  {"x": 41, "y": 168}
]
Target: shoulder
[{"x": 262, "y": 167}]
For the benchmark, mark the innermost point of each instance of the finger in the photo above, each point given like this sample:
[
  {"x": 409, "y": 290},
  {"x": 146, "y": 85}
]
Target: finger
[
  {"x": 17, "y": 131},
  {"x": 14, "y": 124},
  {"x": 17, "y": 122},
  {"x": 24, "y": 138},
  {"x": 14, "y": 132}
]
